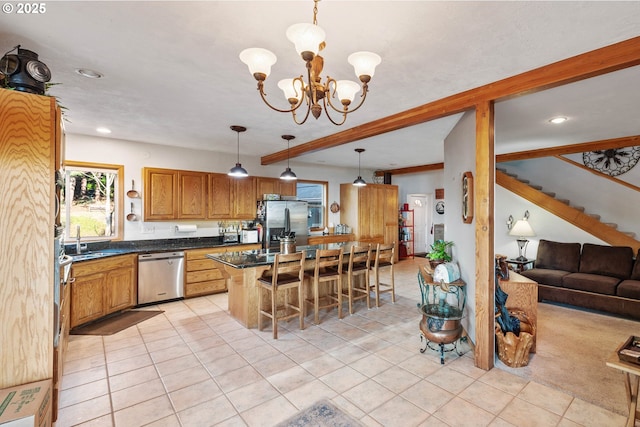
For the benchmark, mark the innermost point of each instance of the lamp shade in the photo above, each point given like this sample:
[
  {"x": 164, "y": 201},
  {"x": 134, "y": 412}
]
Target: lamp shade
[
  {"x": 292, "y": 88},
  {"x": 364, "y": 63},
  {"x": 522, "y": 228},
  {"x": 306, "y": 37},
  {"x": 346, "y": 90},
  {"x": 288, "y": 175},
  {"x": 238, "y": 171},
  {"x": 258, "y": 60},
  {"x": 359, "y": 182}
]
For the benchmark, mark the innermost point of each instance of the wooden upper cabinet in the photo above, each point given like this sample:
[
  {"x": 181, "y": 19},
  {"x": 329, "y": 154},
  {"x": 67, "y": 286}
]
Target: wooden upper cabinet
[
  {"x": 192, "y": 195},
  {"x": 244, "y": 197},
  {"x": 160, "y": 194},
  {"x": 219, "y": 196},
  {"x": 371, "y": 211},
  {"x": 274, "y": 186}
]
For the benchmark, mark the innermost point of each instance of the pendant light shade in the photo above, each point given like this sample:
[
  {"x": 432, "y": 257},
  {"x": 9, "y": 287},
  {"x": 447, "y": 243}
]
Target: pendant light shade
[
  {"x": 238, "y": 171},
  {"x": 359, "y": 182},
  {"x": 288, "y": 174}
]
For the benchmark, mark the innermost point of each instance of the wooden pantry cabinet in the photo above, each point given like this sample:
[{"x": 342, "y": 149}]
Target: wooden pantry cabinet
[
  {"x": 103, "y": 286},
  {"x": 371, "y": 212},
  {"x": 202, "y": 275}
]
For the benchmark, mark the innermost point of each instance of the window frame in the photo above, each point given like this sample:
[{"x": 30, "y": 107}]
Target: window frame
[
  {"x": 119, "y": 191},
  {"x": 325, "y": 195}
]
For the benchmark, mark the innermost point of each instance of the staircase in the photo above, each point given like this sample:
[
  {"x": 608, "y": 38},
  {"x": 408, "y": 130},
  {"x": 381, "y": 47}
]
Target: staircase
[{"x": 562, "y": 208}]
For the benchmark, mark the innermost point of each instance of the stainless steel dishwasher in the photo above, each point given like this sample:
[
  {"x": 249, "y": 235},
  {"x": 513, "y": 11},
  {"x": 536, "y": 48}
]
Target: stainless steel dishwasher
[{"x": 160, "y": 276}]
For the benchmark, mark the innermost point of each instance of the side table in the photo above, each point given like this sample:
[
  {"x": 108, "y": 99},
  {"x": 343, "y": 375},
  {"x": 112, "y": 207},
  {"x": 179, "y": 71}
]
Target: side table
[
  {"x": 519, "y": 266},
  {"x": 631, "y": 373}
]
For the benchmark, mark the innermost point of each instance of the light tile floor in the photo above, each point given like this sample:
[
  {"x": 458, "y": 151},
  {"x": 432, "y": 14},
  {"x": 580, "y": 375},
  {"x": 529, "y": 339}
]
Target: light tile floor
[{"x": 194, "y": 365}]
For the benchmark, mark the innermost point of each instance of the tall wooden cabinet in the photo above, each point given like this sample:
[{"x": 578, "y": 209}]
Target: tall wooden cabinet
[
  {"x": 371, "y": 212},
  {"x": 29, "y": 140}
]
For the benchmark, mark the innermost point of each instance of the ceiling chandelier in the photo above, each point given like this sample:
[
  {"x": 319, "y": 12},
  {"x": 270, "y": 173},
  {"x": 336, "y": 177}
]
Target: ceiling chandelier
[{"x": 309, "y": 40}]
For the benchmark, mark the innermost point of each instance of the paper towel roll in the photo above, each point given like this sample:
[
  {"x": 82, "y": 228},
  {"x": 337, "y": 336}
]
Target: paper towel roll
[{"x": 186, "y": 228}]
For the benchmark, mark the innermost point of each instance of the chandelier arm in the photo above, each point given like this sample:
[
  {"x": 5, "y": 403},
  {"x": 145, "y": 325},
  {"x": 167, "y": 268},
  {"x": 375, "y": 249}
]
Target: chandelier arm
[
  {"x": 306, "y": 116},
  {"x": 263, "y": 96},
  {"x": 326, "y": 112}
]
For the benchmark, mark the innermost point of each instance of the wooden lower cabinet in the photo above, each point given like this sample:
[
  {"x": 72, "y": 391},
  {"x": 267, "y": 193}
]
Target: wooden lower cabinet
[
  {"x": 103, "y": 286},
  {"x": 202, "y": 276}
]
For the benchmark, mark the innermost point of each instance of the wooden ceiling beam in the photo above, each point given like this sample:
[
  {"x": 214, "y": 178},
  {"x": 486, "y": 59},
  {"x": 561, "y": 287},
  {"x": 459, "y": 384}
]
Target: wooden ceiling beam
[
  {"x": 596, "y": 62},
  {"x": 412, "y": 169}
]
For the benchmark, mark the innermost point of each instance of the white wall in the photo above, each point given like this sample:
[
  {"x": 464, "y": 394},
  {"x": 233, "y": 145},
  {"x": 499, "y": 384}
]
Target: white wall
[
  {"x": 459, "y": 157},
  {"x": 136, "y": 155}
]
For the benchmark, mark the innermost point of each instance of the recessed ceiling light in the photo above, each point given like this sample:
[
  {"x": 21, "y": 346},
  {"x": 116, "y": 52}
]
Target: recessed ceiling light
[
  {"x": 558, "y": 120},
  {"x": 90, "y": 74},
  {"x": 103, "y": 130}
]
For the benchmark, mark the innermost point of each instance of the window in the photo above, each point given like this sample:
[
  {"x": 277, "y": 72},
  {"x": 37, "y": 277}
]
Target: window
[
  {"x": 315, "y": 194},
  {"x": 91, "y": 201}
]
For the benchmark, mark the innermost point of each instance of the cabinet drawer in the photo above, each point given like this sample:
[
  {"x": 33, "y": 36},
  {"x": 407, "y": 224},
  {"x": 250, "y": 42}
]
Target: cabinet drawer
[
  {"x": 203, "y": 288},
  {"x": 201, "y": 264},
  {"x": 204, "y": 275},
  {"x": 104, "y": 264},
  {"x": 201, "y": 253}
]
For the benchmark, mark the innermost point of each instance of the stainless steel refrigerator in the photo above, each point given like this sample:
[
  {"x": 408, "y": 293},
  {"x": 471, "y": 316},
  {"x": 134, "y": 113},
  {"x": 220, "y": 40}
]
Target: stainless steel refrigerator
[{"x": 280, "y": 218}]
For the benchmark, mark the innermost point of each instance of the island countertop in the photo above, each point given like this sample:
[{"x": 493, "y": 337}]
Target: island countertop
[{"x": 266, "y": 257}]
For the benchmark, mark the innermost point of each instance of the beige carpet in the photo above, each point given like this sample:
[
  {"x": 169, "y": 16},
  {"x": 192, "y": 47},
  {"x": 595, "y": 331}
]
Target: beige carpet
[{"x": 572, "y": 348}]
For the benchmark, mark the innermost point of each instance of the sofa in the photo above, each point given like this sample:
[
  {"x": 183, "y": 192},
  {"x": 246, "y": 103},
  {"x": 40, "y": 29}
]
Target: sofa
[{"x": 597, "y": 277}]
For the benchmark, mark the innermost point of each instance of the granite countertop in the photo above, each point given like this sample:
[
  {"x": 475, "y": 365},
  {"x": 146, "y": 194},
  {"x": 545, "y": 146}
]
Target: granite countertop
[
  {"x": 99, "y": 250},
  {"x": 261, "y": 257}
]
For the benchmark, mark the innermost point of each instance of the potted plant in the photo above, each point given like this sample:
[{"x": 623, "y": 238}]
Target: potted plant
[{"x": 439, "y": 252}]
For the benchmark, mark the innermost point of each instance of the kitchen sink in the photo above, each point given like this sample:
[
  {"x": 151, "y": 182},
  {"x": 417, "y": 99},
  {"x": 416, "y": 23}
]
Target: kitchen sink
[{"x": 97, "y": 254}]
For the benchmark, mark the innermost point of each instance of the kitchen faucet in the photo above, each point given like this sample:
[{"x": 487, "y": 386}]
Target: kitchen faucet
[{"x": 79, "y": 246}]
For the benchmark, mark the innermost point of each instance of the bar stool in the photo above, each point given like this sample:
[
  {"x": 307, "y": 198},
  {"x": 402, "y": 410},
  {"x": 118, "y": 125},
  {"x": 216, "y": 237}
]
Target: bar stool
[
  {"x": 385, "y": 257},
  {"x": 358, "y": 268},
  {"x": 286, "y": 274},
  {"x": 328, "y": 268}
]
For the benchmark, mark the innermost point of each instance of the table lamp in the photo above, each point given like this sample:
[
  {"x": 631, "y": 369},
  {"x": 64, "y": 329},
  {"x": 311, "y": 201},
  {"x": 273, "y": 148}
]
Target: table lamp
[{"x": 522, "y": 229}]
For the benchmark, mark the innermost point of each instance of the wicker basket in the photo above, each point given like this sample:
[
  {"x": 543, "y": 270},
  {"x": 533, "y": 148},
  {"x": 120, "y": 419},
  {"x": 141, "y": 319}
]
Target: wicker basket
[{"x": 513, "y": 350}]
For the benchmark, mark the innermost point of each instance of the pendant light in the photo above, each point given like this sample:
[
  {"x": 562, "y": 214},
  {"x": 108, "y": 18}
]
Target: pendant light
[
  {"x": 359, "y": 182},
  {"x": 238, "y": 171},
  {"x": 288, "y": 174}
]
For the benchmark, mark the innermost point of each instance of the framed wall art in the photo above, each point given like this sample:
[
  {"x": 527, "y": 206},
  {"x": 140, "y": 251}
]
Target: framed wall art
[{"x": 467, "y": 197}]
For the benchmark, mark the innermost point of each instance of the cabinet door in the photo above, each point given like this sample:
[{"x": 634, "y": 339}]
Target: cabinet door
[
  {"x": 87, "y": 298},
  {"x": 121, "y": 290},
  {"x": 192, "y": 195},
  {"x": 266, "y": 186},
  {"x": 219, "y": 196},
  {"x": 160, "y": 194},
  {"x": 287, "y": 188},
  {"x": 244, "y": 198},
  {"x": 391, "y": 214}
]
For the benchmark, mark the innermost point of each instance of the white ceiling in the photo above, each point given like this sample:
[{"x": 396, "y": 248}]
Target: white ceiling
[{"x": 172, "y": 74}]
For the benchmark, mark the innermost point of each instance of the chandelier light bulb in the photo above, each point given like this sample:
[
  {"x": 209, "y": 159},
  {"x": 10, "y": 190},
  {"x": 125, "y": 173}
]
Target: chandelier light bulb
[
  {"x": 258, "y": 60},
  {"x": 364, "y": 63},
  {"x": 292, "y": 89},
  {"x": 306, "y": 37},
  {"x": 346, "y": 90}
]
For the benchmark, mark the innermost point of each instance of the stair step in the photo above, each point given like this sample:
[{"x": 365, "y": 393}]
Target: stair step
[
  {"x": 594, "y": 216},
  {"x": 578, "y": 208},
  {"x": 629, "y": 233},
  {"x": 503, "y": 170},
  {"x": 524, "y": 181},
  {"x": 512, "y": 175},
  {"x": 536, "y": 187},
  {"x": 611, "y": 224},
  {"x": 565, "y": 201},
  {"x": 549, "y": 193}
]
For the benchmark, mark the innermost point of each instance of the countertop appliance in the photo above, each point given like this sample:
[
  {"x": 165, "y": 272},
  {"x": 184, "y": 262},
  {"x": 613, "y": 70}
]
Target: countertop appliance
[
  {"x": 160, "y": 276},
  {"x": 280, "y": 218},
  {"x": 249, "y": 236}
]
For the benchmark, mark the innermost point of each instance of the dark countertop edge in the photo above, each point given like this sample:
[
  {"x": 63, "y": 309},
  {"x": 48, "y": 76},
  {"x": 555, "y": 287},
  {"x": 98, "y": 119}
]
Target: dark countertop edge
[{"x": 147, "y": 246}]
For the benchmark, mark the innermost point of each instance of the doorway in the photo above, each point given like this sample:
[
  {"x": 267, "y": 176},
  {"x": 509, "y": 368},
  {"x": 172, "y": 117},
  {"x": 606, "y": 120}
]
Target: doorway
[{"x": 421, "y": 205}]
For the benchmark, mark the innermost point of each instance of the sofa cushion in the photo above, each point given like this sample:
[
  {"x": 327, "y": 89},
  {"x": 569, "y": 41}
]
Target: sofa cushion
[
  {"x": 597, "y": 283},
  {"x": 635, "y": 273},
  {"x": 558, "y": 256},
  {"x": 614, "y": 261},
  {"x": 545, "y": 276},
  {"x": 629, "y": 289}
]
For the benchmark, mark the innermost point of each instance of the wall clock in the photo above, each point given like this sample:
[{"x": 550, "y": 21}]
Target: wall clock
[
  {"x": 467, "y": 197},
  {"x": 335, "y": 207},
  {"x": 614, "y": 161},
  {"x": 440, "y": 207}
]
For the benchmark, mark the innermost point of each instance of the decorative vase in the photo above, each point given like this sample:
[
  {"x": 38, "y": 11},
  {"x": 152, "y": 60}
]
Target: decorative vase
[{"x": 513, "y": 350}]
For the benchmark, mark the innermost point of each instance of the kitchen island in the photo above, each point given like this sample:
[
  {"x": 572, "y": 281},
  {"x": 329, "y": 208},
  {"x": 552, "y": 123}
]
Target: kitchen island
[{"x": 242, "y": 269}]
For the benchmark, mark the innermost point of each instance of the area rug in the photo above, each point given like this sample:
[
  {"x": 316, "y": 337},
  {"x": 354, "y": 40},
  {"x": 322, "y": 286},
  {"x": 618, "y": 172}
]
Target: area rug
[
  {"x": 321, "y": 414},
  {"x": 116, "y": 323}
]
